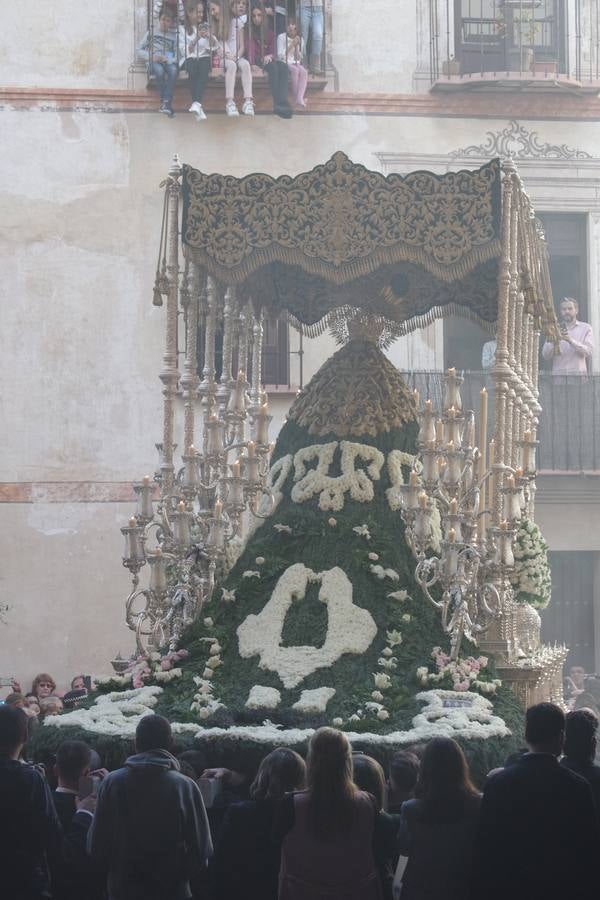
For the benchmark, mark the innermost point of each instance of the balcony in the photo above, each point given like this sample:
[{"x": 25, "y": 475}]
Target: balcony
[
  {"x": 551, "y": 45},
  {"x": 569, "y": 431},
  {"x": 146, "y": 15}
]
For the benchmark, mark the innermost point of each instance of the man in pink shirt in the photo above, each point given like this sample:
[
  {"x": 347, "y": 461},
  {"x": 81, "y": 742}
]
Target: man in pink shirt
[{"x": 576, "y": 344}]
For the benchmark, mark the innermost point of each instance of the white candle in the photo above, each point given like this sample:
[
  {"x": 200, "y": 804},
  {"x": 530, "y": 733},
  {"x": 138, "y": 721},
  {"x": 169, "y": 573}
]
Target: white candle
[
  {"x": 251, "y": 449},
  {"x": 218, "y": 510},
  {"x": 413, "y": 478}
]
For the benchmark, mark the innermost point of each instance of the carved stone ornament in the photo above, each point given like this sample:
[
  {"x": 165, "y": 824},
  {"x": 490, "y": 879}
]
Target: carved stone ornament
[{"x": 518, "y": 142}]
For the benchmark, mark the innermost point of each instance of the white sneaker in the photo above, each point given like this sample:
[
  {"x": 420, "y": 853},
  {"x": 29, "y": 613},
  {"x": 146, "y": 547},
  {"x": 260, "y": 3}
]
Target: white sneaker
[
  {"x": 248, "y": 107},
  {"x": 196, "y": 108},
  {"x": 231, "y": 109}
]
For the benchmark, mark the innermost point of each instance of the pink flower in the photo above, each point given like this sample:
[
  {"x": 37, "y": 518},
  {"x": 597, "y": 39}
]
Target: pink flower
[
  {"x": 165, "y": 664},
  {"x": 182, "y": 654},
  {"x": 462, "y": 686},
  {"x": 137, "y": 682},
  {"x": 483, "y": 661}
]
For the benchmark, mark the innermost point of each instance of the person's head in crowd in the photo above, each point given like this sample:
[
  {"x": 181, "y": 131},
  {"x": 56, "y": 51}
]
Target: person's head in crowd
[
  {"x": 33, "y": 703},
  {"x": 95, "y": 760},
  {"x": 13, "y": 731},
  {"x": 196, "y": 759},
  {"x": 279, "y": 773},
  {"x": 153, "y": 733},
  {"x": 187, "y": 769},
  {"x": 368, "y": 775},
  {"x": 577, "y": 675},
  {"x": 238, "y": 8},
  {"x": 166, "y": 19},
  {"x": 545, "y": 728},
  {"x": 580, "y": 736},
  {"x": 43, "y": 685},
  {"x": 444, "y": 783},
  {"x": 78, "y": 683},
  {"x": 50, "y": 706},
  {"x": 331, "y": 790},
  {"x": 16, "y": 700},
  {"x": 195, "y": 14},
  {"x": 261, "y": 25},
  {"x": 568, "y": 313},
  {"x": 292, "y": 28},
  {"x": 404, "y": 771},
  {"x": 219, "y": 19},
  {"x": 72, "y": 761}
]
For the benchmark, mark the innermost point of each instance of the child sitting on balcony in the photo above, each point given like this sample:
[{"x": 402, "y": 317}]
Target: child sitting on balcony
[
  {"x": 261, "y": 54},
  {"x": 290, "y": 49},
  {"x": 159, "y": 48},
  {"x": 227, "y": 22},
  {"x": 196, "y": 48},
  {"x": 176, "y": 7}
]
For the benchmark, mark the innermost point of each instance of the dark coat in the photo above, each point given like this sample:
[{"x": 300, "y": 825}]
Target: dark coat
[
  {"x": 538, "y": 836},
  {"x": 439, "y": 847},
  {"x": 150, "y": 831},
  {"x": 30, "y": 833},
  {"x": 591, "y": 772},
  {"x": 75, "y": 877},
  {"x": 246, "y": 860}
]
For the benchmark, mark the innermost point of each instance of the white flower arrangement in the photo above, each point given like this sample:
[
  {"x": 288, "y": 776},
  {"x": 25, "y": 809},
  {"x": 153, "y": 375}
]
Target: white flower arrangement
[
  {"x": 227, "y": 596},
  {"x": 362, "y": 531},
  {"x": 314, "y": 701},
  {"x": 462, "y": 673},
  {"x": 377, "y": 695},
  {"x": 151, "y": 667},
  {"x": 263, "y": 697},
  {"x": 250, "y": 574},
  {"x": 331, "y": 490},
  {"x": 119, "y": 713},
  {"x": 399, "y": 595},
  {"x": 382, "y": 680},
  {"x": 276, "y": 478},
  {"x": 379, "y": 572},
  {"x": 350, "y": 629},
  {"x": 260, "y": 560},
  {"x": 394, "y": 637},
  {"x": 373, "y": 556},
  {"x": 282, "y": 529},
  {"x": 208, "y": 622},
  {"x": 531, "y": 577}
]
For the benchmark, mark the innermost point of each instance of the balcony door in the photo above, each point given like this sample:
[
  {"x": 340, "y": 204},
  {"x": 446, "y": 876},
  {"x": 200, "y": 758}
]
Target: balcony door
[{"x": 509, "y": 35}]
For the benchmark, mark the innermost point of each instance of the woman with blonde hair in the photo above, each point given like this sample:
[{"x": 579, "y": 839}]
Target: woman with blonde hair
[
  {"x": 328, "y": 829},
  {"x": 43, "y": 685}
]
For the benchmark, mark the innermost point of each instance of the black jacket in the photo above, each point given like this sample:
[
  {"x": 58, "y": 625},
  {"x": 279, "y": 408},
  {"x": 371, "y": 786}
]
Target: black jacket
[
  {"x": 150, "y": 831},
  {"x": 439, "y": 847},
  {"x": 247, "y": 857},
  {"x": 34, "y": 850},
  {"x": 591, "y": 772},
  {"x": 538, "y": 836}
]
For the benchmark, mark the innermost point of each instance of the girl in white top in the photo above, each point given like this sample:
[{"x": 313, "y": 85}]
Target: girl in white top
[
  {"x": 290, "y": 49},
  {"x": 196, "y": 46},
  {"x": 228, "y": 23}
]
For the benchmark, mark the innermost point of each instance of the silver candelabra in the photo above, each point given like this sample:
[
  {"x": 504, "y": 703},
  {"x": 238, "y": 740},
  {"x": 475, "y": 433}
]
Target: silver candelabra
[{"x": 480, "y": 503}]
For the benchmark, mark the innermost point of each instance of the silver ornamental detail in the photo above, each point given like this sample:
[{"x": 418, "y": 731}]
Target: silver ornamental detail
[{"x": 468, "y": 580}]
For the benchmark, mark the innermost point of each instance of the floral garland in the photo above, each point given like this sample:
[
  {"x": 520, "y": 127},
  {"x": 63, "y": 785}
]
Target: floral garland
[
  {"x": 462, "y": 674},
  {"x": 204, "y": 702},
  {"x": 350, "y": 628},
  {"x": 156, "y": 667},
  {"x": 531, "y": 577},
  {"x": 119, "y": 713}
]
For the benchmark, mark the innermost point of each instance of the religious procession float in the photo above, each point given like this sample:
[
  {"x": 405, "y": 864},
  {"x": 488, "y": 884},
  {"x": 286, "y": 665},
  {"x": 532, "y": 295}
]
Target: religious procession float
[{"x": 378, "y": 568}]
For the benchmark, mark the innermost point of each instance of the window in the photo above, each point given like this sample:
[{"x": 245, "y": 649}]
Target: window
[
  {"x": 275, "y": 355},
  {"x": 510, "y": 36}
]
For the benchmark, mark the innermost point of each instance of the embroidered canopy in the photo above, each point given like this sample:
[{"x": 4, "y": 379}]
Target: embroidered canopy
[{"x": 402, "y": 249}]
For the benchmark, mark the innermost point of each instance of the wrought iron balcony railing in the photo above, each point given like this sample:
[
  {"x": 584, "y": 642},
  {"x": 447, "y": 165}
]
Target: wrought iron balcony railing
[{"x": 541, "y": 42}]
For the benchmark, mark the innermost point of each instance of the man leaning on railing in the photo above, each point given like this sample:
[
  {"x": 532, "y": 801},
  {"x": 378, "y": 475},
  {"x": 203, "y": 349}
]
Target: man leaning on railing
[{"x": 576, "y": 344}]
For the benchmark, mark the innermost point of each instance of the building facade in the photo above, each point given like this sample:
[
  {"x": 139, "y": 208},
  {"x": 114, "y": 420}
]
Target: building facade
[{"x": 425, "y": 84}]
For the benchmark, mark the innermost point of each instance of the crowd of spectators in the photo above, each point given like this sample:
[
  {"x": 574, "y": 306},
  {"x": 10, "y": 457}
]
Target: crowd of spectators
[
  {"x": 45, "y": 700},
  {"x": 233, "y": 39},
  {"x": 168, "y": 828}
]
